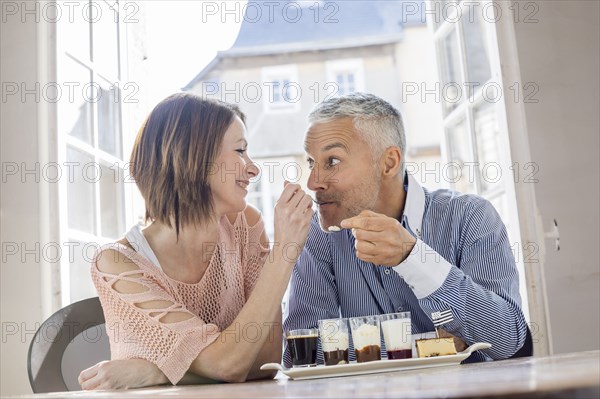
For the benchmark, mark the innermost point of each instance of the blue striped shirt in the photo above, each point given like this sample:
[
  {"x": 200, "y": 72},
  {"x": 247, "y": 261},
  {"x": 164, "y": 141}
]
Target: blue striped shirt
[{"x": 462, "y": 262}]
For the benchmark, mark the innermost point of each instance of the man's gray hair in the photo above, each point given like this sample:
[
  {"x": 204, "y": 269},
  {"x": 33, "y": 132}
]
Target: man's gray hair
[{"x": 377, "y": 121}]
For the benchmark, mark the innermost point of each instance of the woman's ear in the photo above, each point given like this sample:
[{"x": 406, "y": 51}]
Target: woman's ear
[{"x": 391, "y": 161}]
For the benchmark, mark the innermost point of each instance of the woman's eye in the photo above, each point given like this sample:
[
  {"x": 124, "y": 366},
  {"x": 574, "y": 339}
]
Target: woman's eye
[{"x": 240, "y": 151}]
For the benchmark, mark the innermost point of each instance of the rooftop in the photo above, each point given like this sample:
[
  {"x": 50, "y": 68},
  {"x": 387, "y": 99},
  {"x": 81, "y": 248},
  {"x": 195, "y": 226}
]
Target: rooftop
[{"x": 273, "y": 27}]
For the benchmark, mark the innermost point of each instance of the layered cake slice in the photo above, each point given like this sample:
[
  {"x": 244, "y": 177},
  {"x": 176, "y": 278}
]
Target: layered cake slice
[{"x": 435, "y": 347}]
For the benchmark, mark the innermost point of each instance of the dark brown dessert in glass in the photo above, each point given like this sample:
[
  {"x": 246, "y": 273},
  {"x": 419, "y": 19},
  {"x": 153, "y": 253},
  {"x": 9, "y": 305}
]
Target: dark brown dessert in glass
[
  {"x": 400, "y": 354},
  {"x": 334, "y": 357},
  {"x": 368, "y": 353}
]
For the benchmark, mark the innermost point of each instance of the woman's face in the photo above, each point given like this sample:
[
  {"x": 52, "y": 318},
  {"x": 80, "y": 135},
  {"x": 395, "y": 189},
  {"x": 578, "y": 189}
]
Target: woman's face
[{"x": 232, "y": 171}]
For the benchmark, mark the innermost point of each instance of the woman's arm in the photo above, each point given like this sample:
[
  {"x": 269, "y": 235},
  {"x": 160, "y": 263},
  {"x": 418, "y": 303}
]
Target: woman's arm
[
  {"x": 231, "y": 356},
  {"x": 270, "y": 353}
]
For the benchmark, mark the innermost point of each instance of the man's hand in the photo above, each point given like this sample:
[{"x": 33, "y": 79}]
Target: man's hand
[
  {"x": 379, "y": 239},
  {"x": 121, "y": 374}
]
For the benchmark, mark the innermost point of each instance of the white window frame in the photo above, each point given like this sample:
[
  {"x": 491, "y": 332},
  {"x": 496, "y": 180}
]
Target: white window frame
[
  {"x": 466, "y": 110},
  {"x": 280, "y": 73},
  {"x": 348, "y": 65},
  {"x": 64, "y": 140}
]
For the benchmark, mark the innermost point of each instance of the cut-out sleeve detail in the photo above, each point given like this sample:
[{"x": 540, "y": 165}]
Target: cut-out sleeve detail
[{"x": 144, "y": 320}]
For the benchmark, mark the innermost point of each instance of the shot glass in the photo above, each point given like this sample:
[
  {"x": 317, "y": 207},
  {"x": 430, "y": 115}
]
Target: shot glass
[
  {"x": 303, "y": 346},
  {"x": 366, "y": 336},
  {"x": 397, "y": 336},
  {"x": 335, "y": 337}
]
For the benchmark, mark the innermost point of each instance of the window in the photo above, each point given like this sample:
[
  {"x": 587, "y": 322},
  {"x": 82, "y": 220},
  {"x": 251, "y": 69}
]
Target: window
[
  {"x": 477, "y": 152},
  {"x": 347, "y": 75},
  {"x": 95, "y": 201},
  {"x": 282, "y": 90},
  {"x": 265, "y": 189}
]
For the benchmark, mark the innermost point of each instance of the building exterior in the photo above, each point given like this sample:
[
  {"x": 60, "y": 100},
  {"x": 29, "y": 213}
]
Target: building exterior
[{"x": 280, "y": 67}]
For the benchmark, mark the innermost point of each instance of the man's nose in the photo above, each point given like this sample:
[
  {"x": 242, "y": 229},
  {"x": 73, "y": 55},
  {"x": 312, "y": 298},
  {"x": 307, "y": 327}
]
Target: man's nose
[{"x": 314, "y": 182}]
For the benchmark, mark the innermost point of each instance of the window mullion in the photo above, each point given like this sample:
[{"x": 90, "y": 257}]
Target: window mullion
[{"x": 470, "y": 124}]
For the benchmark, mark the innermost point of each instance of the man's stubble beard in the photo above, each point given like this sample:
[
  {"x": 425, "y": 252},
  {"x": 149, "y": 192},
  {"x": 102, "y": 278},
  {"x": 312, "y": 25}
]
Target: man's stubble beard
[{"x": 360, "y": 198}]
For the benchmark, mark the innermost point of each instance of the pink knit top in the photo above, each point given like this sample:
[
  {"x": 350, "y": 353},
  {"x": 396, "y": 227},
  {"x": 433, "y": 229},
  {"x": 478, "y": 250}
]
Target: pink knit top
[{"x": 214, "y": 302}]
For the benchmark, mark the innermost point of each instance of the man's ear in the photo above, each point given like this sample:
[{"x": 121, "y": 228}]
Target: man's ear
[{"x": 390, "y": 162}]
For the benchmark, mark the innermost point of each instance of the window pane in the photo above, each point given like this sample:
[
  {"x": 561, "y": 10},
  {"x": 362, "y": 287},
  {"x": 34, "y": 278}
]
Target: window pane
[
  {"x": 75, "y": 105},
  {"x": 461, "y": 176},
  {"x": 476, "y": 49},
  {"x": 106, "y": 41},
  {"x": 276, "y": 91},
  {"x": 112, "y": 201},
  {"x": 487, "y": 134},
  {"x": 254, "y": 196},
  {"x": 449, "y": 57},
  {"x": 499, "y": 202},
  {"x": 74, "y": 29},
  {"x": 80, "y": 257},
  {"x": 81, "y": 201},
  {"x": 109, "y": 119},
  {"x": 435, "y": 12}
]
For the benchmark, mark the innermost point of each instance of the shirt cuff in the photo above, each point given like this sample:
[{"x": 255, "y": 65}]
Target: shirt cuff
[{"x": 424, "y": 270}]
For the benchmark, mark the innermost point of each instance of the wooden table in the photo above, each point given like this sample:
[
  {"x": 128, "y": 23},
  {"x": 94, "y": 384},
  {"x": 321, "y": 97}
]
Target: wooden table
[{"x": 567, "y": 375}]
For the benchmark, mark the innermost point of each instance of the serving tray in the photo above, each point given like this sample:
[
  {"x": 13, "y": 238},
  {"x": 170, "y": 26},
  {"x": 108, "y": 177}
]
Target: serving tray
[{"x": 379, "y": 366}]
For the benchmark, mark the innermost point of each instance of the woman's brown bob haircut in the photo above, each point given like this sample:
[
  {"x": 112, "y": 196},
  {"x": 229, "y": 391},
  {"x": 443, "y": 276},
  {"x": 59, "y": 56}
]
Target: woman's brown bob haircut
[{"x": 174, "y": 156}]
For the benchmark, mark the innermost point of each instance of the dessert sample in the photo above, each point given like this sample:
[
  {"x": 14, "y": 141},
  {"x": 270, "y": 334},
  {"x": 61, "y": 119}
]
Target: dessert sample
[
  {"x": 367, "y": 338},
  {"x": 396, "y": 329},
  {"x": 334, "y": 228},
  {"x": 334, "y": 341},
  {"x": 432, "y": 347}
]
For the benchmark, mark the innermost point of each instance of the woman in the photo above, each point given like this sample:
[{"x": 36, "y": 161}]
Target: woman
[{"x": 196, "y": 294}]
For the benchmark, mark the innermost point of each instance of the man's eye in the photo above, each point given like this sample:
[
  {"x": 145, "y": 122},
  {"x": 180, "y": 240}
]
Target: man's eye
[
  {"x": 311, "y": 164},
  {"x": 333, "y": 161}
]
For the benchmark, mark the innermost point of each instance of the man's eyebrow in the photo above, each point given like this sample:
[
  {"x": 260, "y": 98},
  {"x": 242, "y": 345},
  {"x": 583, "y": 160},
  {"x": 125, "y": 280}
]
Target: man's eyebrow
[
  {"x": 334, "y": 145},
  {"x": 329, "y": 147}
]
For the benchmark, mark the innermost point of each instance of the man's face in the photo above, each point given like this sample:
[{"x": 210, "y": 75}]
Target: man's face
[{"x": 343, "y": 175}]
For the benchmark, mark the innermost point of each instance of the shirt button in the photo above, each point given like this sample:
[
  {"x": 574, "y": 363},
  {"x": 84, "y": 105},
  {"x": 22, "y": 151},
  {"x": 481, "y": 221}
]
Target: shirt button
[
  {"x": 400, "y": 309},
  {"x": 387, "y": 271},
  {"x": 412, "y": 287}
]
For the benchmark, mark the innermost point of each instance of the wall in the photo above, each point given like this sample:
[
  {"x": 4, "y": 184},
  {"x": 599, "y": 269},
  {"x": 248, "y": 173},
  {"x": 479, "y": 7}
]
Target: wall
[
  {"x": 560, "y": 54},
  {"x": 22, "y": 281}
]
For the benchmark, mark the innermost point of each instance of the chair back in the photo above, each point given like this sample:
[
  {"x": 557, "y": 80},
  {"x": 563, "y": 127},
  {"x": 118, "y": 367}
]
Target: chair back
[
  {"x": 527, "y": 348},
  {"x": 71, "y": 340}
]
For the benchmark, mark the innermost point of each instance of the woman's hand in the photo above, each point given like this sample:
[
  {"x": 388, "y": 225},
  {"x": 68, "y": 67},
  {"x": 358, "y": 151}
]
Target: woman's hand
[
  {"x": 293, "y": 212},
  {"x": 121, "y": 374}
]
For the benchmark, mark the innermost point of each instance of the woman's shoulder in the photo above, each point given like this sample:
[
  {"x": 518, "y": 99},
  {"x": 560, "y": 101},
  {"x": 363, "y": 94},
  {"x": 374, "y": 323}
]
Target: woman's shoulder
[{"x": 119, "y": 257}]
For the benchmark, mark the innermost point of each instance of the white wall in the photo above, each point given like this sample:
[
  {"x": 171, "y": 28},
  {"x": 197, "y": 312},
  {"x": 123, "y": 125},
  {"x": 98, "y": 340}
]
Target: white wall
[
  {"x": 21, "y": 281},
  {"x": 560, "y": 54}
]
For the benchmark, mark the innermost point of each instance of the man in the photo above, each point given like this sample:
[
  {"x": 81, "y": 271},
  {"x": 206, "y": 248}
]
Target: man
[{"x": 401, "y": 247}]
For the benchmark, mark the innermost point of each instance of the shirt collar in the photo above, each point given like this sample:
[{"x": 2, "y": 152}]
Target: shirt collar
[{"x": 414, "y": 205}]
